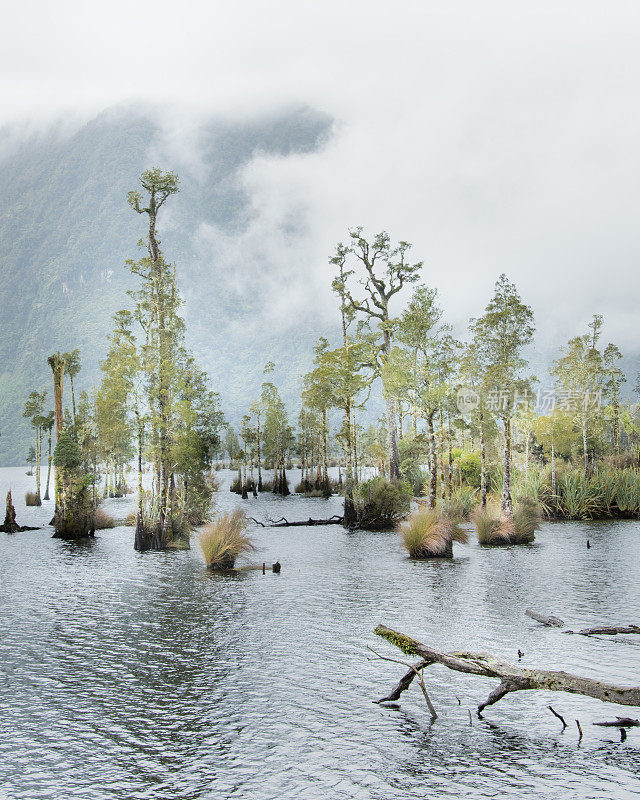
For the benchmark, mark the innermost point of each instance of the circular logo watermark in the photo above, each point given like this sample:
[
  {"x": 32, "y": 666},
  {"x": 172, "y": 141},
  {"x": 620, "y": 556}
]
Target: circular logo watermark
[{"x": 467, "y": 400}]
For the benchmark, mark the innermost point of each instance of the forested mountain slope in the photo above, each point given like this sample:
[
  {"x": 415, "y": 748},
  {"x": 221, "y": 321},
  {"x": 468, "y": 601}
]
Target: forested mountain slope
[{"x": 66, "y": 231}]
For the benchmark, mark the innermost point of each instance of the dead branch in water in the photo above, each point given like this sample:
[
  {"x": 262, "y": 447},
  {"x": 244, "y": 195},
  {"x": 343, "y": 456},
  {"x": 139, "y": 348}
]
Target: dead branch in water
[
  {"x": 512, "y": 677},
  {"x": 284, "y": 523},
  {"x": 607, "y": 631},
  {"x": 550, "y": 622}
]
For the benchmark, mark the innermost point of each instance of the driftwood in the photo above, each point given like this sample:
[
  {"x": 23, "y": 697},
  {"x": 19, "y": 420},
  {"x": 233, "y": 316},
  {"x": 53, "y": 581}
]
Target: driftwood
[
  {"x": 284, "y": 523},
  {"x": 512, "y": 677},
  {"x": 607, "y": 631},
  {"x": 550, "y": 622},
  {"x": 620, "y": 722}
]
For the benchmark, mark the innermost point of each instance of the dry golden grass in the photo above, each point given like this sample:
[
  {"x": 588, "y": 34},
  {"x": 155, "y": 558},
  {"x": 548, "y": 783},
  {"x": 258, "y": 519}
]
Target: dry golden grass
[
  {"x": 496, "y": 528},
  {"x": 223, "y": 540},
  {"x": 429, "y": 534},
  {"x": 102, "y": 520}
]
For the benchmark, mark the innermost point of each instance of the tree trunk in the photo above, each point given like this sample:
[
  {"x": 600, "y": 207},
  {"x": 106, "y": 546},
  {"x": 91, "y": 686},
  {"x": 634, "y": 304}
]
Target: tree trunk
[
  {"x": 483, "y": 464},
  {"x": 553, "y": 471},
  {"x": 49, "y": 460},
  {"x": 507, "y": 505},
  {"x": 433, "y": 477}
]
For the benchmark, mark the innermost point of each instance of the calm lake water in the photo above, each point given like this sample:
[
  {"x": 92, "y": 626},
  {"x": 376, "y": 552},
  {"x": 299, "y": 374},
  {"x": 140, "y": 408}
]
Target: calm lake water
[{"x": 126, "y": 676}]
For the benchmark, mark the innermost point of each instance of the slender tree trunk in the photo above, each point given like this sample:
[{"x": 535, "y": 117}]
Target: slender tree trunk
[
  {"x": 450, "y": 466},
  {"x": 585, "y": 449},
  {"x": 553, "y": 470},
  {"x": 73, "y": 400},
  {"x": 507, "y": 505},
  {"x": 259, "y": 456},
  {"x": 616, "y": 426},
  {"x": 392, "y": 433},
  {"x": 483, "y": 464},
  {"x": 38, "y": 462},
  {"x": 433, "y": 477},
  {"x": 140, "y": 542},
  {"x": 49, "y": 460}
]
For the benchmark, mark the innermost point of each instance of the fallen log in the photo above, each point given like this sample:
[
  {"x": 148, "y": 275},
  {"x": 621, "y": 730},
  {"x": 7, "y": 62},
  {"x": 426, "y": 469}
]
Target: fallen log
[
  {"x": 620, "y": 722},
  {"x": 512, "y": 677},
  {"x": 607, "y": 630},
  {"x": 284, "y": 523},
  {"x": 549, "y": 621}
]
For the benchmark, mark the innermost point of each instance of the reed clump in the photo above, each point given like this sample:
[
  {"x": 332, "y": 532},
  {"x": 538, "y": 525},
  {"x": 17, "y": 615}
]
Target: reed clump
[
  {"x": 225, "y": 539},
  {"x": 430, "y": 534},
  {"x": 102, "y": 520},
  {"x": 494, "y": 527},
  {"x": 32, "y": 499}
]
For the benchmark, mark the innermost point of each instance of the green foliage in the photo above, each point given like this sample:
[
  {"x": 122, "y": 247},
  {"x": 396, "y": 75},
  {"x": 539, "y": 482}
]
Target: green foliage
[
  {"x": 469, "y": 467},
  {"x": 67, "y": 453},
  {"x": 382, "y": 503},
  {"x": 461, "y": 503}
]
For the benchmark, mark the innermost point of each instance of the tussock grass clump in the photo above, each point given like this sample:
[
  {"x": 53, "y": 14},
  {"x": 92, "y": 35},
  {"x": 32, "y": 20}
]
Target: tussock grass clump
[
  {"x": 102, "y": 520},
  {"x": 430, "y": 534},
  {"x": 32, "y": 499},
  {"x": 494, "y": 527},
  {"x": 525, "y": 521},
  {"x": 223, "y": 540}
]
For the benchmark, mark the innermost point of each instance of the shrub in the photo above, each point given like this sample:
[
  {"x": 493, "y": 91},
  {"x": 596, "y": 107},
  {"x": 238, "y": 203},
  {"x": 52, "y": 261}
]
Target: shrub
[
  {"x": 382, "y": 504},
  {"x": 575, "y": 495},
  {"x": 67, "y": 452},
  {"x": 32, "y": 499},
  {"x": 430, "y": 534},
  {"x": 469, "y": 466},
  {"x": 223, "y": 540},
  {"x": 102, "y": 520}
]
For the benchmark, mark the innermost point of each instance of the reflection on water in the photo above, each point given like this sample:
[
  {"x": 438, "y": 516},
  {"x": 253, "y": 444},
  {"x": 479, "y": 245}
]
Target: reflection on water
[{"x": 128, "y": 675}]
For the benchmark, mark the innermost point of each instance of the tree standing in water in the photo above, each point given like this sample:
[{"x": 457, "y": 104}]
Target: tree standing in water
[
  {"x": 386, "y": 271},
  {"x": 156, "y": 310},
  {"x": 33, "y": 411},
  {"x": 501, "y": 333}
]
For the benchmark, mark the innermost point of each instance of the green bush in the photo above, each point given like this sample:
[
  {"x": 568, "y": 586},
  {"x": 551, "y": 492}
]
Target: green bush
[
  {"x": 381, "y": 504},
  {"x": 67, "y": 453}
]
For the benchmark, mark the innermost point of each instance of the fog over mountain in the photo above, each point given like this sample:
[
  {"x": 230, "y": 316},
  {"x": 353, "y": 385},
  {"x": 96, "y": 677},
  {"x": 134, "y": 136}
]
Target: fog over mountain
[
  {"x": 66, "y": 231},
  {"x": 494, "y": 136}
]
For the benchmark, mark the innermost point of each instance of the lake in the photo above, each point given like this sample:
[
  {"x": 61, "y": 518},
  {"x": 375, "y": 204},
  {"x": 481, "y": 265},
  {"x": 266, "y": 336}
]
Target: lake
[{"x": 130, "y": 676}]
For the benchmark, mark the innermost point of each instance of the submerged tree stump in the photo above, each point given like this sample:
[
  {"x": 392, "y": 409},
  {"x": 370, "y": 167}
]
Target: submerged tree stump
[{"x": 10, "y": 525}]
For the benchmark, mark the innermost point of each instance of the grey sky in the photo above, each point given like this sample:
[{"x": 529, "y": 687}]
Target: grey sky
[{"x": 495, "y": 136}]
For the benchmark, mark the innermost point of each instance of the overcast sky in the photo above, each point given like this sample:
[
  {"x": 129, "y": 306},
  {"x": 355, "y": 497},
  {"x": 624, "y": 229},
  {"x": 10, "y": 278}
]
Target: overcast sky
[{"x": 495, "y": 136}]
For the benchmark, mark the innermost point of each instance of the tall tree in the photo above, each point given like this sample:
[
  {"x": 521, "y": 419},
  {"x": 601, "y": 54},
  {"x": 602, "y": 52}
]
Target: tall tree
[
  {"x": 33, "y": 410},
  {"x": 501, "y": 333},
  {"x": 72, "y": 367},
  {"x": 385, "y": 270},
  {"x": 157, "y": 311},
  {"x": 614, "y": 378},
  {"x": 579, "y": 374}
]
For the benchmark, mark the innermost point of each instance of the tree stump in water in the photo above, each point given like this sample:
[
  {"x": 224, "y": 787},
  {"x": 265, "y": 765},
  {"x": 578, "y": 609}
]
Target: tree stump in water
[{"x": 10, "y": 524}]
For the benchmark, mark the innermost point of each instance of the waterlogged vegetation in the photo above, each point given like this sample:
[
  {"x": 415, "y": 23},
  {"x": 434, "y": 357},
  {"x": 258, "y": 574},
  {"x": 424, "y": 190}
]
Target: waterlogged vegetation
[
  {"x": 470, "y": 444},
  {"x": 465, "y": 422}
]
